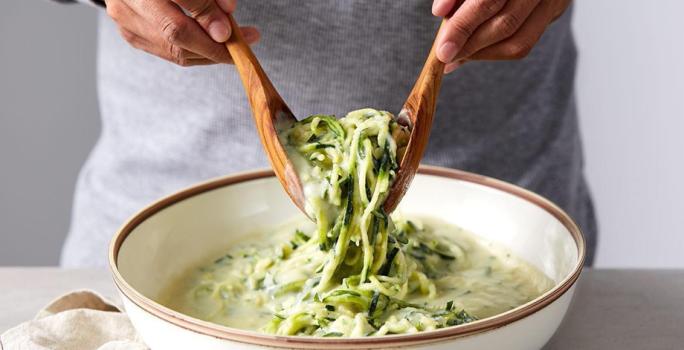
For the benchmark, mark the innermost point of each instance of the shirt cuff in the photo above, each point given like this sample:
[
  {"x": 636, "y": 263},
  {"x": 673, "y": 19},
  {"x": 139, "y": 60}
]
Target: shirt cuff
[{"x": 97, "y": 3}]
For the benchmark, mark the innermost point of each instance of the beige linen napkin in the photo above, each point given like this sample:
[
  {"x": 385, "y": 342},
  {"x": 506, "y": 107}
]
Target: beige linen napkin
[{"x": 80, "y": 320}]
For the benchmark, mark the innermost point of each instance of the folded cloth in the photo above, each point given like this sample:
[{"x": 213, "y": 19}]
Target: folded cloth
[{"x": 80, "y": 320}]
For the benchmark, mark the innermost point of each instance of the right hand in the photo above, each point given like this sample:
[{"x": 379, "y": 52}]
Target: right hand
[{"x": 160, "y": 27}]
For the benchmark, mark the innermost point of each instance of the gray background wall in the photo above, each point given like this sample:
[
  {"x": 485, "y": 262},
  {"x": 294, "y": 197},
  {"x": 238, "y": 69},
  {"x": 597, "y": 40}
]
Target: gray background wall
[
  {"x": 48, "y": 123},
  {"x": 631, "y": 99}
]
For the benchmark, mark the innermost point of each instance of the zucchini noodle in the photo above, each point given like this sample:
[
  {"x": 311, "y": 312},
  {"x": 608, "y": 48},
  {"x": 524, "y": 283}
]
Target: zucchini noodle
[
  {"x": 360, "y": 272},
  {"x": 347, "y": 167}
]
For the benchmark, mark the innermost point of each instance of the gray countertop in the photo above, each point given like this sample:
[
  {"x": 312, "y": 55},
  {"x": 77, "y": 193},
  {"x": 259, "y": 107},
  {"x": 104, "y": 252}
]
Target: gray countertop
[{"x": 612, "y": 309}]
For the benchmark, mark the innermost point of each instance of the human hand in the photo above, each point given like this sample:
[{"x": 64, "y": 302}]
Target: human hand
[
  {"x": 492, "y": 29},
  {"x": 161, "y": 27}
]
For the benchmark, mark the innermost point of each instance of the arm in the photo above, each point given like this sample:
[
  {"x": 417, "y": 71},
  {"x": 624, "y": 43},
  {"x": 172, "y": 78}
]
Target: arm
[{"x": 492, "y": 29}]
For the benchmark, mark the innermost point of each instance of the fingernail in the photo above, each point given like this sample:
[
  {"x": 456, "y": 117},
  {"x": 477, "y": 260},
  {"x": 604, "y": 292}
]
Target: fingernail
[
  {"x": 250, "y": 35},
  {"x": 218, "y": 31},
  {"x": 435, "y": 7},
  {"x": 226, "y": 5},
  {"x": 447, "y": 52},
  {"x": 452, "y": 67}
]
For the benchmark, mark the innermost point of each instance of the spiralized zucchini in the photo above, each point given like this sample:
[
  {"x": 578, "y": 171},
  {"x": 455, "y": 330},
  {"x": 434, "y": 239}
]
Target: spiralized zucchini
[
  {"x": 359, "y": 272},
  {"x": 347, "y": 167}
]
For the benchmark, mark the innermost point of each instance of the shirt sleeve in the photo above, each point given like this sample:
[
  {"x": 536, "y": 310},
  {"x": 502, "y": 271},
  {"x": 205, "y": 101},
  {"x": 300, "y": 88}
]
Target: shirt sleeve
[{"x": 96, "y": 3}]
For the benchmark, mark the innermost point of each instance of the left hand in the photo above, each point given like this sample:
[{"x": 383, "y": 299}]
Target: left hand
[{"x": 492, "y": 29}]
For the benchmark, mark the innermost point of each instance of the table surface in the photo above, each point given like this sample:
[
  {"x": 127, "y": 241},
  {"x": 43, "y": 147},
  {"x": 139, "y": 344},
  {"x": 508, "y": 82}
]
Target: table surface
[{"x": 612, "y": 309}]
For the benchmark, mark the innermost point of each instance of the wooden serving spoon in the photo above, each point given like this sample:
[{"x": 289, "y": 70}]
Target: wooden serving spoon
[
  {"x": 269, "y": 110},
  {"x": 417, "y": 115}
]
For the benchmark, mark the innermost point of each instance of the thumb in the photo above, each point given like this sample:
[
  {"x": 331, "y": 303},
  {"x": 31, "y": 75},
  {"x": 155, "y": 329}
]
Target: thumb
[{"x": 211, "y": 16}]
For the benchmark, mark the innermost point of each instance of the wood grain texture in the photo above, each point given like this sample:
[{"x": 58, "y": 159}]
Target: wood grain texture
[
  {"x": 419, "y": 108},
  {"x": 268, "y": 109}
]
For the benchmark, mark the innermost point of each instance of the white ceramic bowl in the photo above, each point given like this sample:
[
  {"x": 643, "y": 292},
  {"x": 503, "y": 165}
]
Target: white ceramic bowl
[{"x": 196, "y": 224}]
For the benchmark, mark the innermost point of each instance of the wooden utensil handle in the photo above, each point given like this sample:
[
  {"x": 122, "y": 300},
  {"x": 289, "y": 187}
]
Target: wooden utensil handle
[
  {"x": 423, "y": 97},
  {"x": 253, "y": 76},
  {"x": 267, "y": 108},
  {"x": 419, "y": 111}
]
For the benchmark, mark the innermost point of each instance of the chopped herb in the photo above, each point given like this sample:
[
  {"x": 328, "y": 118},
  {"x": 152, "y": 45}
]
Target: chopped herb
[
  {"x": 373, "y": 304},
  {"x": 223, "y": 259},
  {"x": 449, "y": 305},
  {"x": 349, "y": 210},
  {"x": 333, "y": 334},
  {"x": 385, "y": 269},
  {"x": 352, "y": 165},
  {"x": 401, "y": 237},
  {"x": 459, "y": 318},
  {"x": 301, "y": 235}
]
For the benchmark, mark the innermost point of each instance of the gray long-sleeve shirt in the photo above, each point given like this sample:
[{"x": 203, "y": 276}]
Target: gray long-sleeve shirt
[{"x": 165, "y": 127}]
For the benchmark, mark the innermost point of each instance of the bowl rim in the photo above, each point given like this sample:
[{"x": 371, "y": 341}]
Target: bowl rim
[{"x": 256, "y": 338}]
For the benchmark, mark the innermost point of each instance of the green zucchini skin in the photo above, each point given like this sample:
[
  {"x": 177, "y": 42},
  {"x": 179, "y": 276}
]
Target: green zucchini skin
[{"x": 358, "y": 272}]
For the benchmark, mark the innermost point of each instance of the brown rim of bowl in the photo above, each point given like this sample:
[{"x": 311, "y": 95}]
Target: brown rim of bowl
[{"x": 256, "y": 338}]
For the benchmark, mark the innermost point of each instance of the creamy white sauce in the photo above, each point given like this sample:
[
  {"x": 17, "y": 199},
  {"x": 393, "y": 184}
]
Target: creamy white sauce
[
  {"x": 357, "y": 272},
  {"x": 242, "y": 292}
]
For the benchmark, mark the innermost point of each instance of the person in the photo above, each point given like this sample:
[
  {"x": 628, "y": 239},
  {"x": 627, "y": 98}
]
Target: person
[{"x": 506, "y": 110}]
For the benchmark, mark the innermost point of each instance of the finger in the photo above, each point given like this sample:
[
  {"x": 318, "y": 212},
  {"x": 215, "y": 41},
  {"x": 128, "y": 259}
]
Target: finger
[
  {"x": 559, "y": 9},
  {"x": 139, "y": 21},
  {"x": 503, "y": 25},
  {"x": 442, "y": 8},
  {"x": 198, "y": 62},
  {"x": 175, "y": 31},
  {"x": 450, "y": 67},
  {"x": 521, "y": 43},
  {"x": 201, "y": 44},
  {"x": 184, "y": 57},
  {"x": 134, "y": 40},
  {"x": 227, "y": 5},
  {"x": 179, "y": 38},
  {"x": 125, "y": 16},
  {"x": 172, "y": 35},
  {"x": 132, "y": 27},
  {"x": 210, "y": 17},
  {"x": 462, "y": 24},
  {"x": 250, "y": 34},
  {"x": 138, "y": 25},
  {"x": 179, "y": 56}
]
